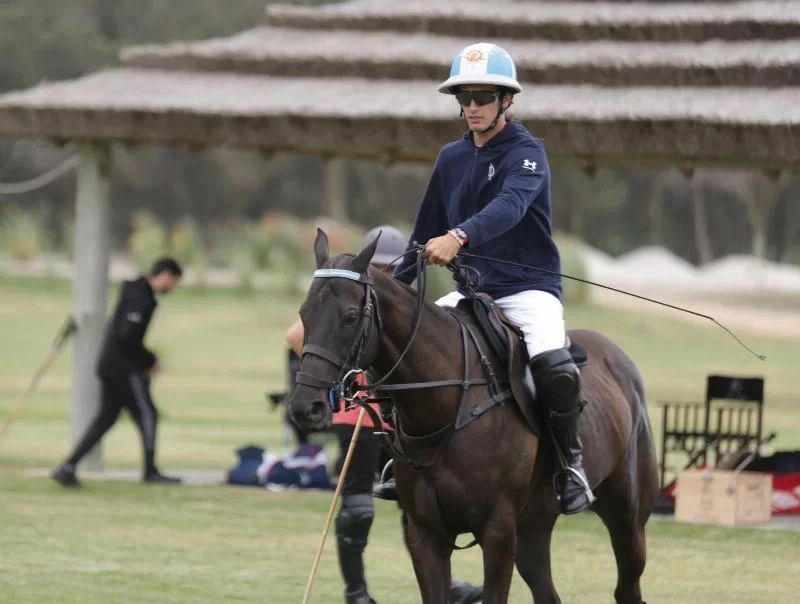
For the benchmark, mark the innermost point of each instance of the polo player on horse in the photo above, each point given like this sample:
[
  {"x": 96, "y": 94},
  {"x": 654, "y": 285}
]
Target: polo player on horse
[{"x": 489, "y": 193}]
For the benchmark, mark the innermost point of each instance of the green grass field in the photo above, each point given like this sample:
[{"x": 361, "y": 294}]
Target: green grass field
[{"x": 124, "y": 542}]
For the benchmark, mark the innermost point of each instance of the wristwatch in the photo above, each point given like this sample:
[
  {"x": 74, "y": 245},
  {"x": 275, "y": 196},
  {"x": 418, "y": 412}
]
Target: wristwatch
[{"x": 460, "y": 235}]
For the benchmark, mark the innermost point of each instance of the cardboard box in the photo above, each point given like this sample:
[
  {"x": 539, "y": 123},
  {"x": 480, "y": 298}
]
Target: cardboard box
[{"x": 723, "y": 497}]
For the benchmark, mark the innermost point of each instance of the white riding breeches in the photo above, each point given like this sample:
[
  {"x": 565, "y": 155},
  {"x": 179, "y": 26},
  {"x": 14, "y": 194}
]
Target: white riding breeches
[{"x": 538, "y": 314}]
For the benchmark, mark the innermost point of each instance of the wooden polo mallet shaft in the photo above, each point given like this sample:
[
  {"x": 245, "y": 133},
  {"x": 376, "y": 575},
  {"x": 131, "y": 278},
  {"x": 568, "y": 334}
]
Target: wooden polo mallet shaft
[
  {"x": 332, "y": 508},
  {"x": 66, "y": 331},
  {"x": 26, "y": 396}
]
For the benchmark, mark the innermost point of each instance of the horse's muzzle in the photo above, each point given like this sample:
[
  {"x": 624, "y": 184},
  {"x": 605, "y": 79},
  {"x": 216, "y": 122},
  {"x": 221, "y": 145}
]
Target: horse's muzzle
[{"x": 310, "y": 414}]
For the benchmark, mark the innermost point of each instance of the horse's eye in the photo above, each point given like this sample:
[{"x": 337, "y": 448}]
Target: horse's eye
[{"x": 352, "y": 317}]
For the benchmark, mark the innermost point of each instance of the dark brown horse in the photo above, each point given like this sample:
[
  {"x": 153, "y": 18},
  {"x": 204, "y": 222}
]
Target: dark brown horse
[{"x": 490, "y": 478}]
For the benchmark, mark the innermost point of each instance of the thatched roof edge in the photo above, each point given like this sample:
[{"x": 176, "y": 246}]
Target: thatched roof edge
[
  {"x": 634, "y": 127},
  {"x": 383, "y": 55},
  {"x": 655, "y": 145},
  {"x": 560, "y": 21}
]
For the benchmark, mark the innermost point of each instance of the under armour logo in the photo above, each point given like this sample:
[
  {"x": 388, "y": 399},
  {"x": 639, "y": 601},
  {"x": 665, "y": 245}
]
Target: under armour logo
[
  {"x": 529, "y": 165},
  {"x": 491, "y": 171}
]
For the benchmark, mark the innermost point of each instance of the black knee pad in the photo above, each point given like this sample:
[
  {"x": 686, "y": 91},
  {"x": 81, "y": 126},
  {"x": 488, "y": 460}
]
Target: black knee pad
[
  {"x": 354, "y": 521},
  {"x": 557, "y": 379}
]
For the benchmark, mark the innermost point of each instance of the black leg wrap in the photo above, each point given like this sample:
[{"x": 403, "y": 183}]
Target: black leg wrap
[
  {"x": 352, "y": 531},
  {"x": 557, "y": 382}
]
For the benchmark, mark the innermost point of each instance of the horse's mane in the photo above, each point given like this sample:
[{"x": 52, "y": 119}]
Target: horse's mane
[
  {"x": 345, "y": 261},
  {"x": 342, "y": 260}
]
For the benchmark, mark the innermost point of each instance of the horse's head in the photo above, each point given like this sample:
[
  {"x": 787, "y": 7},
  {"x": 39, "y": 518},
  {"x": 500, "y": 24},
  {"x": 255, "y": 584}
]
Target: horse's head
[{"x": 341, "y": 323}]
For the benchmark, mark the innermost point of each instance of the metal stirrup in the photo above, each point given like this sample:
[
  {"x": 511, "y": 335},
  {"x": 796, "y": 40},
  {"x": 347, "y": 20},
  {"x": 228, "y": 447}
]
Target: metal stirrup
[
  {"x": 386, "y": 469},
  {"x": 581, "y": 479}
]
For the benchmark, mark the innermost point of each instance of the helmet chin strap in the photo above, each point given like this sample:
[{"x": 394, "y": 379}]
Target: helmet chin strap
[{"x": 500, "y": 112}]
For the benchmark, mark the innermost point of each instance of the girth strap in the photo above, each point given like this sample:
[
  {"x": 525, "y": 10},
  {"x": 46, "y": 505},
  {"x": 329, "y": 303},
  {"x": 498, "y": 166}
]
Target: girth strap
[{"x": 433, "y": 502}]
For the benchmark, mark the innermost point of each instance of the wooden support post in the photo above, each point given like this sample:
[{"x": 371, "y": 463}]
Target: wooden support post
[{"x": 90, "y": 289}]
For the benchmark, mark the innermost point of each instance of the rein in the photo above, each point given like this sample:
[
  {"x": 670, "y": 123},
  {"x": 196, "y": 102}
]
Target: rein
[{"x": 760, "y": 357}]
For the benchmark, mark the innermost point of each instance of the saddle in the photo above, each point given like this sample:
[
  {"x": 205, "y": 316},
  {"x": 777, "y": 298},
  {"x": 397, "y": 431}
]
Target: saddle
[{"x": 507, "y": 341}]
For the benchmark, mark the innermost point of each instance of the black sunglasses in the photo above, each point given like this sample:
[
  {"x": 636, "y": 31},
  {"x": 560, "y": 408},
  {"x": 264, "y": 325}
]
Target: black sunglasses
[{"x": 481, "y": 97}]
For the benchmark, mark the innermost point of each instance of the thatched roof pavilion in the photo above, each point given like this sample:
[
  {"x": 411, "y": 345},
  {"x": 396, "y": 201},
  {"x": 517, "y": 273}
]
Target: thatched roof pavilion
[
  {"x": 605, "y": 84},
  {"x": 360, "y": 80}
]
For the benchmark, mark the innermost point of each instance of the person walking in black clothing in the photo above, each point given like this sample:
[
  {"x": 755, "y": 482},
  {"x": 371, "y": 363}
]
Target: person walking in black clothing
[{"x": 124, "y": 367}]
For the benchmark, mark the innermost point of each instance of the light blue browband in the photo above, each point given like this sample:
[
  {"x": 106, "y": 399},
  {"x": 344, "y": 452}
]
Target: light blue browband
[
  {"x": 324, "y": 273},
  {"x": 337, "y": 272}
]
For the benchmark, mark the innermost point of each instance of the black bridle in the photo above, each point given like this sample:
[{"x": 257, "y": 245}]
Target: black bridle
[
  {"x": 348, "y": 366},
  {"x": 345, "y": 386}
]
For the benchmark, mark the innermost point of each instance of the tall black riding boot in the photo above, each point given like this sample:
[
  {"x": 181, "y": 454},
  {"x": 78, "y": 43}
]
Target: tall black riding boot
[
  {"x": 557, "y": 381},
  {"x": 575, "y": 492},
  {"x": 352, "y": 531}
]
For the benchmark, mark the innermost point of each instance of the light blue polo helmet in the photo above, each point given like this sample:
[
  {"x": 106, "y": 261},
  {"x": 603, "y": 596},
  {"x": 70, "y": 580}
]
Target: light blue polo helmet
[{"x": 481, "y": 63}]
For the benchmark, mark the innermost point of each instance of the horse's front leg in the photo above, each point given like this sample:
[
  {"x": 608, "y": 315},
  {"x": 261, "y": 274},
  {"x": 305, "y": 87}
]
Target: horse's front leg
[
  {"x": 430, "y": 555},
  {"x": 499, "y": 544}
]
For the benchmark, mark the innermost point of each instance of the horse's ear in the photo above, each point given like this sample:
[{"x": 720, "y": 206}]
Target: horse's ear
[
  {"x": 321, "y": 248},
  {"x": 361, "y": 262}
]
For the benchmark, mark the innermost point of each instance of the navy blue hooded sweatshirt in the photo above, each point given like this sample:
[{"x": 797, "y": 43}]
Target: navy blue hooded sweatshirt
[{"x": 499, "y": 194}]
